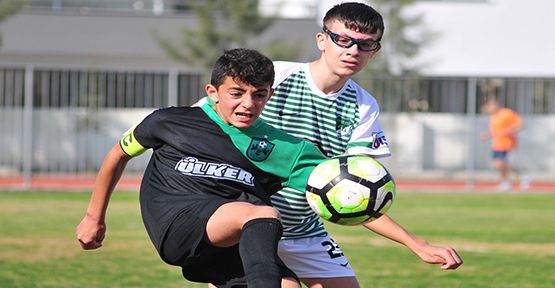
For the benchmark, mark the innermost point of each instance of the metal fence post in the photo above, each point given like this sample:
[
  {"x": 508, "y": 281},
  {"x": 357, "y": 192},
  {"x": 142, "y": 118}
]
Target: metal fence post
[
  {"x": 173, "y": 87},
  {"x": 28, "y": 128},
  {"x": 471, "y": 122}
]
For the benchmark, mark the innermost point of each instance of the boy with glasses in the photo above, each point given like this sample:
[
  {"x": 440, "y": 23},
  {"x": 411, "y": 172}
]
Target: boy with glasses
[{"x": 319, "y": 102}]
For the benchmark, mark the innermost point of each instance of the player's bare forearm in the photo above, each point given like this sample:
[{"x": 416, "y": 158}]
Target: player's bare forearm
[
  {"x": 108, "y": 176},
  {"x": 387, "y": 227},
  {"x": 91, "y": 230}
]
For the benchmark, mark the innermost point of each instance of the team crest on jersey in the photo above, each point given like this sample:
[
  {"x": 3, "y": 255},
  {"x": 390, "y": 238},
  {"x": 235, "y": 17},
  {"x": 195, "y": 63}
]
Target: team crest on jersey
[
  {"x": 259, "y": 149},
  {"x": 344, "y": 127}
]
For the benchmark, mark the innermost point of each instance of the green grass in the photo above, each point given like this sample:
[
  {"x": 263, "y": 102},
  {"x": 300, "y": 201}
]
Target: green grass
[{"x": 506, "y": 240}]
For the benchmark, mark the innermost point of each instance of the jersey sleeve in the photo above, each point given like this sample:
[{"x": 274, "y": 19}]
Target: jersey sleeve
[
  {"x": 144, "y": 135},
  {"x": 284, "y": 69},
  {"x": 368, "y": 137},
  {"x": 307, "y": 159},
  {"x": 130, "y": 145}
]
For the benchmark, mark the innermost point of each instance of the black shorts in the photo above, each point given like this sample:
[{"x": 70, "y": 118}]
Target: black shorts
[{"x": 186, "y": 245}]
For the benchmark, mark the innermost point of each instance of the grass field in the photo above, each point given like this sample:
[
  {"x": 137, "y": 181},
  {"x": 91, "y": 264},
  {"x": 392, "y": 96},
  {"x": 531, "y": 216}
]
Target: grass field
[{"x": 507, "y": 240}]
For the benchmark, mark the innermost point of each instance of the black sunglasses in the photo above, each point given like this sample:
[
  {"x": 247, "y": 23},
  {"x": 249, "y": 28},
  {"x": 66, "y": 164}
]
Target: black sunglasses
[{"x": 344, "y": 41}]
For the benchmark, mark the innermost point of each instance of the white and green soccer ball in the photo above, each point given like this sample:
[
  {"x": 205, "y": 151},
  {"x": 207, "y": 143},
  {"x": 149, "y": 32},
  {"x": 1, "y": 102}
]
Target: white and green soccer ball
[{"x": 350, "y": 190}]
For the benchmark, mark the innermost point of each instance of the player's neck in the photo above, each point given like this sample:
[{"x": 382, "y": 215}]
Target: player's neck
[{"x": 324, "y": 78}]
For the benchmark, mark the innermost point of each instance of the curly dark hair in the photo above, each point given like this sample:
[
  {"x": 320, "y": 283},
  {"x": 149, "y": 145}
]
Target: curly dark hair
[
  {"x": 244, "y": 65},
  {"x": 356, "y": 16}
]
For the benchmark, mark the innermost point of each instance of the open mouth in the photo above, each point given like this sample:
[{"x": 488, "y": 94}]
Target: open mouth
[{"x": 243, "y": 116}]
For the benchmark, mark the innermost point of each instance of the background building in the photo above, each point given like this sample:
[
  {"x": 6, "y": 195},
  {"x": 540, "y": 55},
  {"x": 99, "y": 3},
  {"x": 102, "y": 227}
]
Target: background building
[
  {"x": 75, "y": 74},
  {"x": 472, "y": 37}
]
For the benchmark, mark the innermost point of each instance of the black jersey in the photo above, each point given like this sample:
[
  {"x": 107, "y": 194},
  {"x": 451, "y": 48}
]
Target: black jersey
[{"x": 195, "y": 153}]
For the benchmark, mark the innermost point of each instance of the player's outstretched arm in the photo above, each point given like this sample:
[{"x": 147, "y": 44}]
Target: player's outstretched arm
[
  {"x": 91, "y": 230},
  {"x": 446, "y": 256}
]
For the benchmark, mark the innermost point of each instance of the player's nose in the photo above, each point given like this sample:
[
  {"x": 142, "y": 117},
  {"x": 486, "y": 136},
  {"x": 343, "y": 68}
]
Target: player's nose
[
  {"x": 353, "y": 50},
  {"x": 247, "y": 101}
]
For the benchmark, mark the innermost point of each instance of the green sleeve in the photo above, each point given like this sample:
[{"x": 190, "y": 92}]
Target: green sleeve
[{"x": 308, "y": 158}]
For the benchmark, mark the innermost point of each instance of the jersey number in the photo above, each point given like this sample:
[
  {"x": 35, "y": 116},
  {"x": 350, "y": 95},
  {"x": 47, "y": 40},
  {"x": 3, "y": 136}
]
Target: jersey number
[{"x": 333, "y": 249}]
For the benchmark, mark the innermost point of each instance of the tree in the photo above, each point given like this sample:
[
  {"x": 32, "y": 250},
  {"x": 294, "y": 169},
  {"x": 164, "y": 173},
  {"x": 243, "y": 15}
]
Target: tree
[
  {"x": 398, "y": 47},
  {"x": 222, "y": 25}
]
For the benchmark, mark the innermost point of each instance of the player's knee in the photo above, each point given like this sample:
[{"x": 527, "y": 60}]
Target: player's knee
[{"x": 262, "y": 212}]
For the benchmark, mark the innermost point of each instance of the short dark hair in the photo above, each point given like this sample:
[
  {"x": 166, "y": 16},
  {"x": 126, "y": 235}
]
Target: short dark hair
[
  {"x": 357, "y": 16},
  {"x": 245, "y": 65}
]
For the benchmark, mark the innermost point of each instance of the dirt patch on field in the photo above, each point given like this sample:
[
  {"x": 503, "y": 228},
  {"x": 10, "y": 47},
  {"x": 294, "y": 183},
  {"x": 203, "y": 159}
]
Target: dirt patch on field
[
  {"x": 36, "y": 250},
  {"x": 32, "y": 250}
]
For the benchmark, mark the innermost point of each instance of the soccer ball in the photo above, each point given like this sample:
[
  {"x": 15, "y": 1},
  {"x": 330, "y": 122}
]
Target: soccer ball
[{"x": 350, "y": 190}]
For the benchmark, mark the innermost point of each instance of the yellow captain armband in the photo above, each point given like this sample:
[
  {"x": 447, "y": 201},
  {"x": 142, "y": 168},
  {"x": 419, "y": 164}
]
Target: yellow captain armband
[{"x": 130, "y": 145}]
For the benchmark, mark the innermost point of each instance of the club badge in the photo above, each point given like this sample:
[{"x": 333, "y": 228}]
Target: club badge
[{"x": 259, "y": 149}]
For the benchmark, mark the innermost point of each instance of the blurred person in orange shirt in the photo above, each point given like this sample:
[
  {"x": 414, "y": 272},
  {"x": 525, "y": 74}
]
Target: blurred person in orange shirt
[{"x": 504, "y": 125}]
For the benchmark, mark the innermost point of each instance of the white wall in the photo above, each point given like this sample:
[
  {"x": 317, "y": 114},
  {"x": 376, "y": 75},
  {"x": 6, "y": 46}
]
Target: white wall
[
  {"x": 493, "y": 37},
  {"x": 117, "y": 42}
]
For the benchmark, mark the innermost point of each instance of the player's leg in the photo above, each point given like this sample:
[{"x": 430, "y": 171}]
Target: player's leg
[
  {"x": 225, "y": 226},
  {"x": 331, "y": 282},
  {"x": 290, "y": 282},
  {"x": 502, "y": 166},
  {"x": 287, "y": 282},
  {"x": 524, "y": 180},
  {"x": 318, "y": 261},
  {"x": 187, "y": 245},
  {"x": 257, "y": 229}
]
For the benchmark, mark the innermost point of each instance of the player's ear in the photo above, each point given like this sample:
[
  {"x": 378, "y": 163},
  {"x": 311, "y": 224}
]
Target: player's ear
[
  {"x": 212, "y": 92},
  {"x": 320, "y": 40}
]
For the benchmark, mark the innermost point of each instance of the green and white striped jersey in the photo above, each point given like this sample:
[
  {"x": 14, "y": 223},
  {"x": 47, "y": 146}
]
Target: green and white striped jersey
[{"x": 345, "y": 122}]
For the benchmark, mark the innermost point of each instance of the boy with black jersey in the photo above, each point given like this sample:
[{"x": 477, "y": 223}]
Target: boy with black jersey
[{"x": 205, "y": 193}]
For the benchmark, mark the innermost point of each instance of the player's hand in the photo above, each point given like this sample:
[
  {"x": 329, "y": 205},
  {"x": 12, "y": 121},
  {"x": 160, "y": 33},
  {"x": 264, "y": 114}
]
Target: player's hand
[
  {"x": 90, "y": 233},
  {"x": 446, "y": 256}
]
